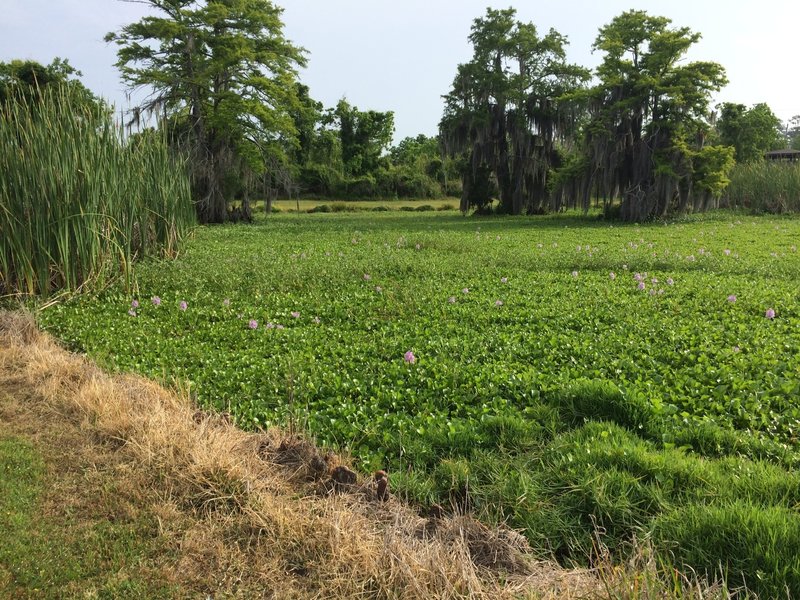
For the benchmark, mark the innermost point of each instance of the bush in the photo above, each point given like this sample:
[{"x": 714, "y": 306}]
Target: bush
[{"x": 425, "y": 208}]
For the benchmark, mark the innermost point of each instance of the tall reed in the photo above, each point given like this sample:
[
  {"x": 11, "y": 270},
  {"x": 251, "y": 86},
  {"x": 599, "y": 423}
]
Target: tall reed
[
  {"x": 769, "y": 187},
  {"x": 79, "y": 202}
]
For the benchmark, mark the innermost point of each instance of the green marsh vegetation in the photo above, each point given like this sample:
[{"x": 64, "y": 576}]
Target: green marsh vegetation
[
  {"x": 572, "y": 377},
  {"x": 80, "y": 200}
]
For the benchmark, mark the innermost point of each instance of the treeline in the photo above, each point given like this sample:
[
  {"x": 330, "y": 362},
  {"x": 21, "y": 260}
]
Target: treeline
[
  {"x": 521, "y": 125},
  {"x": 346, "y": 153}
]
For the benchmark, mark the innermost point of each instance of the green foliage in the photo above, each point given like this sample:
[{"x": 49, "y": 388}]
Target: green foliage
[
  {"x": 751, "y": 545},
  {"x": 364, "y": 136},
  {"x": 506, "y": 109},
  {"x": 224, "y": 74},
  {"x": 765, "y": 187},
  {"x": 752, "y": 132},
  {"x": 579, "y": 406},
  {"x": 79, "y": 201},
  {"x": 26, "y": 81},
  {"x": 646, "y": 111}
]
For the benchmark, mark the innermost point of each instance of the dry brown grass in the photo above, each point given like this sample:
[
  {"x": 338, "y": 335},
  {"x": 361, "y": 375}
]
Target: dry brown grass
[{"x": 257, "y": 514}]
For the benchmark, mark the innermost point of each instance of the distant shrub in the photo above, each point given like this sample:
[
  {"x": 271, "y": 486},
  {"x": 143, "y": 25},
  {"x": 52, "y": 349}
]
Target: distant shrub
[
  {"x": 381, "y": 208},
  {"x": 425, "y": 208},
  {"x": 447, "y": 206},
  {"x": 343, "y": 207},
  {"x": 322, "y": 208},
  {"x": 407, "y": 208}
]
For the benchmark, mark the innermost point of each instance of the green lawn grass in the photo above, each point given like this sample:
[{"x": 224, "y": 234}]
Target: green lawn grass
[
  {"x": 57, "y": 556},
  {"x": 573, "y": 377}
]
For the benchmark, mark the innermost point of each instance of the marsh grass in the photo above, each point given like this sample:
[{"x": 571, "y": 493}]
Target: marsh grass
[
  {"x": 79, "y": 202},
  {"x": 765, "y": 187}
]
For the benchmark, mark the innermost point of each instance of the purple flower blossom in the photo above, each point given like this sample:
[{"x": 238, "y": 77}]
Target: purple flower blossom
[
  {"x": 134, "y": 303},
  {"x": 638, "y": 277},
  {"x": 670, "y": 281},
  {"x": 155, "y": 300},
  {"x": 253, "y": 324},
  {"x": 279, "y": 326},
  {"x": 498, "y": 303},
  {"x": 732, "y": 298},
  {"x": 736, "y": 349},
  {"x": 270, "y": 326},
  {"x": 770, "y": 314},
  {"x": 226, "y": 302},
  {"x": 295, "y": 314},
  {"x": 641, "y": 285},
  {"x": 727, "y": 252},
  {"x": 452, "y": 299},
  {"x": 465, "y": 291},
  {"x": 367, "y": 276},
  {"x": 409, "y": 357},
  {"x": 504, "y": 280},
  {"x": 183, "y": 305},
  {"x": 132, "y": 312}
]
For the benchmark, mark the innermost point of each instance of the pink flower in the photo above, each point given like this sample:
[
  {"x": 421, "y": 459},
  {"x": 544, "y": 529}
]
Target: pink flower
[
  {"x": 736, "y": 349},
  {"x": 226, "y": 302},
  {"x": 770, "y": 314},
  {"x": 732, "y": 298},
  {"x": 367, "y": 276},
  {"x": 270, "y": 326},
  {"x": 465, "y": 290},
  {"x": 279, "y": 326},
  {"x": 378, "y": 289},
  {"x": 504, "y": 280},
  {"x": 638, "y": 277},
  {"x": 498, "y": 303},
  {"x": 574, "y": 273},
  {"x": 295, "y": 314},
  {"x": 727, "y": 252},
  {"x": 640, "y": 286},
  {"x": 253, "y": 324},
  {"x": 183, "y": 305},
  {"x": 452, "y": 299},
  {"x": 670, "y": 281},
  {"x": 155, "y": 300},
  {"x": 134, "y": 304},
  {"x": 316, "y": 320},
  {"x": 409, "y": 357},
  {"x": 132, "y": 312},
  {"x": 612, "y": 275}
]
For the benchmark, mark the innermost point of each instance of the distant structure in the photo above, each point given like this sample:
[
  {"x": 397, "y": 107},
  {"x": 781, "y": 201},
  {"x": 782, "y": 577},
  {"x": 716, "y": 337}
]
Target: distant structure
[{"x": 783, "y": 155}]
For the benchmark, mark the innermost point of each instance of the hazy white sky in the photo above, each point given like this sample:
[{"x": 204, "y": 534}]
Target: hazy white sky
[{"x": 401, "y": 55}]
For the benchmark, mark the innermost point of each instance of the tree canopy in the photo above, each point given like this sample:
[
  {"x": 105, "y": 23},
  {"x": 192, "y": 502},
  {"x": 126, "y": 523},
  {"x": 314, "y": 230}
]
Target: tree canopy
[
  {"x": 506, "y": 111},
  {"x": 751, "y": 132},
  {"x": 648, "y": 114},
  {"x": 224, "y": 74}
]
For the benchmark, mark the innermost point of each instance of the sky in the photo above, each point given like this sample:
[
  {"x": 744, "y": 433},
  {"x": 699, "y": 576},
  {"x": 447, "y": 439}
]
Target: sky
[{"x": 401, "y": 55}]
